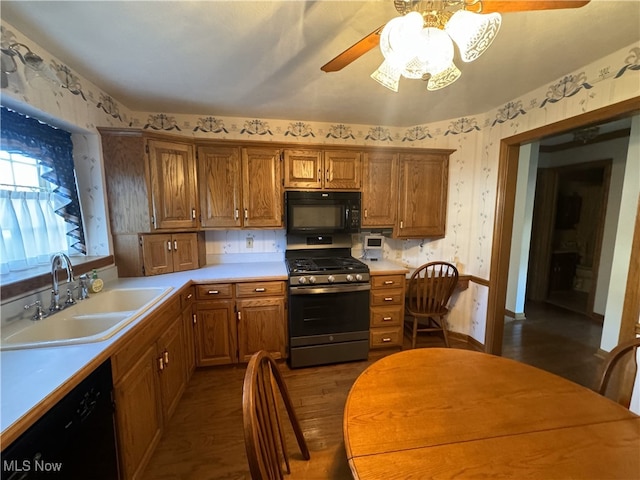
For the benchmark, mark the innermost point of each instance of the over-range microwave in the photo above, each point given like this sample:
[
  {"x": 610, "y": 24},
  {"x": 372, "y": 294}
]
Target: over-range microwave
[{"x": 322, "y": 213}]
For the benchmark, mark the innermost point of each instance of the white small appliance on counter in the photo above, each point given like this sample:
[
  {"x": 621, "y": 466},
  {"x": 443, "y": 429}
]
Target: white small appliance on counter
[{"x": 373, "y": 247}]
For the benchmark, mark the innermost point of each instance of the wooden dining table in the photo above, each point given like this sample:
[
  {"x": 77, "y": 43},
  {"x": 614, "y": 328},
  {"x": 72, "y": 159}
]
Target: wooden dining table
[{"x": 449, "y": 413}]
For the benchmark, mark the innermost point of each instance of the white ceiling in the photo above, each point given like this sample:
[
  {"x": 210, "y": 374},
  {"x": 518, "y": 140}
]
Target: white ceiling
[{"x": 262, "y": 59}]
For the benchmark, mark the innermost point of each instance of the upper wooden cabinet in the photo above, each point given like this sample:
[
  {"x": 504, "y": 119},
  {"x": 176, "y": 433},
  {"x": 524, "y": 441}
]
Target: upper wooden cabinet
[
  {"x": 379, "y": 189},
  {"x": 171, "y": 252},
  {"x": 317, "y": 169},
  {"x": 173, "y": 184},
  {"x": 151, "y": 183},
  {"x": 422, "y": 201},
  {"x": 240, "y": 187}
]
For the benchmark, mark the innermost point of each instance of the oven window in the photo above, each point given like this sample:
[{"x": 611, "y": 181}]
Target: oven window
[
  {"x": 328, "y": 313},
  {"x": 316, "y": 216}
]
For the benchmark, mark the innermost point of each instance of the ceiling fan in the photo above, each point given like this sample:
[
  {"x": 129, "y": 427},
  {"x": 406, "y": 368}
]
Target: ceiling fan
[{"x": 436, "y": 16}]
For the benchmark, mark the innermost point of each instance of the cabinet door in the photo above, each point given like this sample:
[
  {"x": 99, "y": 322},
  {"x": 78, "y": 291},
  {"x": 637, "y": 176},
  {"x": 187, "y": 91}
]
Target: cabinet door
[
  {"x": 216, "y": 340},
  {"x": 261, "y": 326},
  {"x": 379, "y": 189},
  {"x": 423, "y": 196},
  {"x": 342, "y": 170},
  {"x": 173, "y": 184},
  {"x": 138, "y": 414},
  {"x": 220, "y": 185},
  {"x": 303, "y": 169},
  {"x": 173, "y": 368},
  {"x": 185, "y": 251},
  {"x": 262, "y": 197},
  {"x": 157, "y": 252}
]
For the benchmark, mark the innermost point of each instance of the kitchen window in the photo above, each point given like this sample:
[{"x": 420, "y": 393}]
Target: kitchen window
[{"x": 39, "y": 206}]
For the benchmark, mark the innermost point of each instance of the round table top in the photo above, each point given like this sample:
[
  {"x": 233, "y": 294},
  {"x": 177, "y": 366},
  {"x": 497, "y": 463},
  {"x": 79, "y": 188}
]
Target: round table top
[{"x": 492, "y": 414}]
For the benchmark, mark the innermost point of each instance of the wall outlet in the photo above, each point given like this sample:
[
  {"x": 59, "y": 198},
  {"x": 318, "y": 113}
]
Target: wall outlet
[{"x": 249, "y": 242}]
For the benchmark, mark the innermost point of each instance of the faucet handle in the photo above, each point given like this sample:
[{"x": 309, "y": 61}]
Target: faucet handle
[
  {"x": 70, "y": 300},
  {"x": 40, "y": 314}
]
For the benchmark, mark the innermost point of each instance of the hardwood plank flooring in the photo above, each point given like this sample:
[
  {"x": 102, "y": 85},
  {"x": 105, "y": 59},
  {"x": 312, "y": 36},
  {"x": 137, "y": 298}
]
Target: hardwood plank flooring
[{"x": 204, "y": 439}]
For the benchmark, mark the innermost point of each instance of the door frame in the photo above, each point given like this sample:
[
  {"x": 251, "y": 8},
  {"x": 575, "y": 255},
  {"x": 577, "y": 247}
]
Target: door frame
[{"x": 505, "y": 205}]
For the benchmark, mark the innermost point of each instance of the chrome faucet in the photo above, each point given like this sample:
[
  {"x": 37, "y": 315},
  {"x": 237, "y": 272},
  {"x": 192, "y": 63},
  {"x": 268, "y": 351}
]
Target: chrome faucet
[{"x": 56, "y": 263}]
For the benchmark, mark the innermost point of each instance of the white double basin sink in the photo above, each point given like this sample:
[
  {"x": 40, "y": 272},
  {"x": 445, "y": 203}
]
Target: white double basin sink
[{"x": 94, "y": 319}]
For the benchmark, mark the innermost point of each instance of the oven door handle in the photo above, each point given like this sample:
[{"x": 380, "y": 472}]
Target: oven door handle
[{"x": 329, "y": 289}]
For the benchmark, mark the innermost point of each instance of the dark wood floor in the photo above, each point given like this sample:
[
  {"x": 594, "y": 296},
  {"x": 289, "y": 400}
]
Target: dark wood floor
[{"x": 204, "y": 439}]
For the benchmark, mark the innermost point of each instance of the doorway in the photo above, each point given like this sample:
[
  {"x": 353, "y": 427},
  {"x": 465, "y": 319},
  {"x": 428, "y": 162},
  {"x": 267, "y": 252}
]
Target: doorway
[
  {"x": 503, "y": 222},
  {"x": 566, "y": 237}
]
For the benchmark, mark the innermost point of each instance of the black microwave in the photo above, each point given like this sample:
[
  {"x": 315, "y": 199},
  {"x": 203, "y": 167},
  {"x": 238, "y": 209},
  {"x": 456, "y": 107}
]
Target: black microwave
[{"x": 322, "y": 213}]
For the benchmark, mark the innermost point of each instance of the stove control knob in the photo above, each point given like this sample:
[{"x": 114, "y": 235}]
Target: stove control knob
[
  {"x": 302, "y": 280},
  {"x": 349, "y": 278},
  {"x": 358, "y": 277},
  {"x": 331, "y": 279},
  {"x": 312, "y": 279}
]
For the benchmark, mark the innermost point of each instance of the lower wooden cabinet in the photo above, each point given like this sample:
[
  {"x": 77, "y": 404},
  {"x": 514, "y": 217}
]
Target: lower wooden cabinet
[
  {"x": 150, "y": 375},
  {"x": 387, "y": 310},
  {"x": 233, "y": 321}
]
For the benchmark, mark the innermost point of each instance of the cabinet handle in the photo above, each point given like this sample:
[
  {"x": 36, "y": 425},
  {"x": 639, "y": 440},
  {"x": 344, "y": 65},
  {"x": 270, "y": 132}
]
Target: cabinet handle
[
  {"x": 260, "y": 289},
  {"x": 388, "y": 299},
  {"x": 386, "y": 339},
  {"x": 175, "y": 245},
  {"x": 366, "y": 213},
  {"x": 213, "y": 292},
  {"x": 160, "y": 364},
  {"x": 401, "y": 224},
  {"x": 189, "y": 296},
  {"x": 327, "y": 176},
  {"x": 169, "y": 245},
  {"x": 165, "y": 357},
  {"x": 239, "y": 315},
  {"x": 195, "y": 319},
  {"x": 237, "y": 214},
  {"x": 246, "y": 214},
  {"x": 193, "y": 213},
  {"x": 319, "y": 175},
  {"x": 389, "y": 282},
  {"x": 386, "y": 319}
]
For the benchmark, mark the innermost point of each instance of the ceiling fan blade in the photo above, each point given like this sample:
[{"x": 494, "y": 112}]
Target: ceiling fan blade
[
  {"x": 506, "y": 6},
  {"x": 354, "y": 52}
]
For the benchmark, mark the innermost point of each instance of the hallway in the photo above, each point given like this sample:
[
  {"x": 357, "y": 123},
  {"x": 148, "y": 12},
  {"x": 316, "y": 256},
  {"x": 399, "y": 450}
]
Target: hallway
[{"x": 556, "y": 340}]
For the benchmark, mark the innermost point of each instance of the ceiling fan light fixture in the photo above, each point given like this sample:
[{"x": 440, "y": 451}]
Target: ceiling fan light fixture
[
  {"x": 473, "y": 32},
  {"x": 388, "y": 76}
]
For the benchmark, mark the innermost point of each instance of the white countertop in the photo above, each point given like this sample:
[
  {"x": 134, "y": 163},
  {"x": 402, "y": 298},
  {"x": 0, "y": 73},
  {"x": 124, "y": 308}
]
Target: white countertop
[
  {"x": 29, "y": 376},
  {"x": 378, "y": 267}
]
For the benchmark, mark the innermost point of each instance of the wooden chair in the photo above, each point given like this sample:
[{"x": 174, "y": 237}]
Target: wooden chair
[
  {"x": 263, "y": 434},
  {"x": 620, "y": 369},
  {"x": 430, "y": 288}
]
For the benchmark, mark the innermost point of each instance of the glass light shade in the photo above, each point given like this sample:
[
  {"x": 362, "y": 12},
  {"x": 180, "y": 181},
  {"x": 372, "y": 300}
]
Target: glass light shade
[
  {"x": 444, "y": 78},
  {"x": 398, "y": 39},
  {"x": 473, "y": 32},
  {"x": 435, "y": 50},
  {"x": 387, "y": 76}
]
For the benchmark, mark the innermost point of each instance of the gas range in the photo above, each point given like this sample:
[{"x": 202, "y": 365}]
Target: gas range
[{"x": 323, "y": 270}]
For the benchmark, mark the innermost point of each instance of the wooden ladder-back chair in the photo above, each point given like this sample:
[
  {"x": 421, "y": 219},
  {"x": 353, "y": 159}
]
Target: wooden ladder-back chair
[
  {"x": 430, "y": 288},
  {"x": 263, "y": 433},
  {"x": 619, "y": 372}
]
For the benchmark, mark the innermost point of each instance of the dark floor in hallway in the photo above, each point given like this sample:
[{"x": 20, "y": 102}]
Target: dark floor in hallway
[{"x": 557, "y": 340}]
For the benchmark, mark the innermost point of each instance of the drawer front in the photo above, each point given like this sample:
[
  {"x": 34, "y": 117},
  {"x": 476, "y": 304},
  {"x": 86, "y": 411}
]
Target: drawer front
[
  {"x": 386, "y": 316},
  {"x": 387, "y": 297},
  {"x": 386, "y": 337},
  {"x": 213, "y": 291},
  {"x": 387, "y": 281},
  {"x": 253, "y": 289}
]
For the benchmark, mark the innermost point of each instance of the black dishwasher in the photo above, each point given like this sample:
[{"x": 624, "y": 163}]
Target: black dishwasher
[{"x": 73, "y": 440}]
